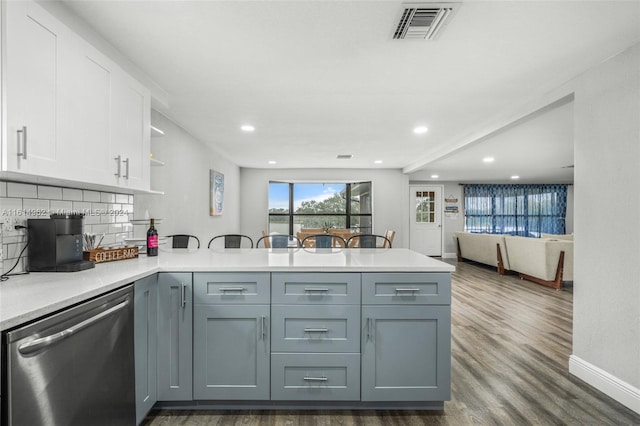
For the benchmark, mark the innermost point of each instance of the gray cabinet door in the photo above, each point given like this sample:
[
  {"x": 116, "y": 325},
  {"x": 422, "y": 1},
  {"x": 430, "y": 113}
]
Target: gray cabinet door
[
  {"x": 231, "y": 352},
  {"x": 175, "y": 325},
  {"x": 145, "y": 319},
  {"x": 406, "y": 353}
]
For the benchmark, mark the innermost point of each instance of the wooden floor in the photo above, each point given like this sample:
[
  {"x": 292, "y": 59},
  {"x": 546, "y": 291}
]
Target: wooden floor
[{"x": 511, "y": 342}]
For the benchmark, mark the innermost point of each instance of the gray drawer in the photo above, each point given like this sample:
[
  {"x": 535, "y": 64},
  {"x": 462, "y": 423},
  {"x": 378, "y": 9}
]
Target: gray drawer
[
  {"x": 231, "y": 287},
  {"x": 297, "y": 328},
  {"x": 316, "y": 288},
  {"x": 412, "y": 288},
  {"x": 315, "y": 377}
]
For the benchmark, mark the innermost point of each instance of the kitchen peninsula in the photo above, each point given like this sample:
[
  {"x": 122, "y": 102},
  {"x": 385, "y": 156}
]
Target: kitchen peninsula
[{"x": 260, "y": 328}]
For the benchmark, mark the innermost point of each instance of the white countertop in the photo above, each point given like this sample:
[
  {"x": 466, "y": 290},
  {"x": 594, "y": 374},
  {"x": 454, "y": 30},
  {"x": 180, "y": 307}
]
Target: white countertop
[{"x": 27, "y": 297}]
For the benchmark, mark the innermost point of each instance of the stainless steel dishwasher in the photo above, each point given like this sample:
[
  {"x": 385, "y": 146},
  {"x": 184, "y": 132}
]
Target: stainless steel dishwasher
[{"x": 75, "y": 367}]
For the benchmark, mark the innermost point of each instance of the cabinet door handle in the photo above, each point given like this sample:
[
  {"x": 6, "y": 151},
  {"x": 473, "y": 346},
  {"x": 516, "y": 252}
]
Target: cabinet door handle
[
  {"x": 119, "y": 166},
  {"x": 407, "y": 290},
  {"x": 322, "y": 289},
  {"x": 314, "y": 379},
  {"x": 240, "y": 289},
  {"x": 126, "y": 168},
  {"x": 263, "y": 328},
  {"x": 316, "y": 330},
  {"x": 183, "y": 289},
  {"x": 22, "y": 132},
  {"x": 368, "y": 328}
]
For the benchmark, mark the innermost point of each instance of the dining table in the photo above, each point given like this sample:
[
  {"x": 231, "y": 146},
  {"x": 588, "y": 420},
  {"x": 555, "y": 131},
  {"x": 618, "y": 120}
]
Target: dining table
[{"x": 343, "y": 233}]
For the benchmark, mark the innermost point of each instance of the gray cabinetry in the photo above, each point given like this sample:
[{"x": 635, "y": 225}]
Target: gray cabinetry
[
  {"x": 315, "y": 377},
  {"x": 231, "y": 336},
  {"x": 231, "y": 288},
  {"x": 406, "y": 288},
  {"x": 315, "y": 336},
  {"x": 315, "y": 288},
  {"x": 145, "y": 320},
  {"x": 231, "y": 352},
  {"x": 406, "y": 343},
  {"x": 175, "y": 324},
  {"x": 300, "y": 328}
]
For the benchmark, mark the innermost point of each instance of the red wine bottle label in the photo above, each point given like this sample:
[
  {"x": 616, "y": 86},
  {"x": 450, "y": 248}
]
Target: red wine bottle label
[{"x": 152, "y": 241}]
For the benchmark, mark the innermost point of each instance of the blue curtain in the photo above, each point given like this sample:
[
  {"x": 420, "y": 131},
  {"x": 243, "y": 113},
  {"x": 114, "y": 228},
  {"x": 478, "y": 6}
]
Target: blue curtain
[{"x": 526, "y": 210}]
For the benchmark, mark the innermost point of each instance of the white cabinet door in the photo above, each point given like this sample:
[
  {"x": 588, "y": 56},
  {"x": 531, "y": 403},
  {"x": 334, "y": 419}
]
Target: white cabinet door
[
  {"x": 38, "y": 47},
  {"x": 89, "y": 142},
  {"x": 130, "y": 132}
]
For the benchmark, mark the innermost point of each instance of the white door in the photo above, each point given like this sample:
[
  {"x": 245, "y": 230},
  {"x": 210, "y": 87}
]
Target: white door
[{"x": 426, "y": 220}]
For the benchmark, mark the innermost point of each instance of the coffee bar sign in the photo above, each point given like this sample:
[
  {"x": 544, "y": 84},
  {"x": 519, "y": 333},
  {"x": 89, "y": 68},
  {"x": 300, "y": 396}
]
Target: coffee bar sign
[{"x": 111, "y": 254}]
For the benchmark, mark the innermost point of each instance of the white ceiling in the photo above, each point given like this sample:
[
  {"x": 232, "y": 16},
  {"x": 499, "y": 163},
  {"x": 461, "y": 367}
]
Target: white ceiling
[{"x": 322, "y": 78}]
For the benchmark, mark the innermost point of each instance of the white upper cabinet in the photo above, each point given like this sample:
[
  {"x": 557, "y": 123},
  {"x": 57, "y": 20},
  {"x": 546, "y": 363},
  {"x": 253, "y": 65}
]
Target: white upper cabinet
[
  {"x": 77, "y": 114},
  {"x": 37, "y": 47},
  {"x": 130, "y": 126},
  {"x": 92, "y": 111}
]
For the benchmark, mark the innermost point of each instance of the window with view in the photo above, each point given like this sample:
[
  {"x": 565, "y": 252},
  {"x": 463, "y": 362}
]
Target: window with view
[{"x": 297, "y": 206}]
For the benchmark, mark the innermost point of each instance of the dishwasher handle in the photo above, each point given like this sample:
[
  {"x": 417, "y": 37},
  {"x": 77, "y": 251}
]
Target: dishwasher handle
[{"x": 43, "y": 342}]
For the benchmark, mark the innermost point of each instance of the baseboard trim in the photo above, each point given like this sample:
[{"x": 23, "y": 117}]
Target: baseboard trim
[
  {"x": 606, "y": 383},
  {"x": 449, "y": 256}
]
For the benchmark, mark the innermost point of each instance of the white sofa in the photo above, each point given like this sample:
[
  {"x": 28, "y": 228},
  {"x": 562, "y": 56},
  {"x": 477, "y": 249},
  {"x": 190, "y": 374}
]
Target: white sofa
[
  {"x": 534, "y": 259},
  {"x": 539, "y": 259},
  {"x": 483, "y": 248}
]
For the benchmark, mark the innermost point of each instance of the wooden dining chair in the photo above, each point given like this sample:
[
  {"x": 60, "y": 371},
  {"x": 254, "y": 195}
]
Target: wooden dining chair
[
  {"x": 389, "y": 234},
  {"x": 278, "y": 241},
  {"x": 368, "y": 241},
  {"x": 323, "y": 241}
]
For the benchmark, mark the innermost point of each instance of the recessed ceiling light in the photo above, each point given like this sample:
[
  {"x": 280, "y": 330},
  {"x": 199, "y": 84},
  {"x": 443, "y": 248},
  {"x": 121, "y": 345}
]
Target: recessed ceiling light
[
  {"x": 488, "y": 159},
  {"x": 420, "y": 130},
  {"x": 247, "y": 128},
  {"x": 435, "y": 176},
  {"x": 272, "y": 162},
  {"x": 515, "y": 177},
  {"x": 378, "y": 162}
]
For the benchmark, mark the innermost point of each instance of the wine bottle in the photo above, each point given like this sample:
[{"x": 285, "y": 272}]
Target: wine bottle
[{"x": 152, "y": 240}]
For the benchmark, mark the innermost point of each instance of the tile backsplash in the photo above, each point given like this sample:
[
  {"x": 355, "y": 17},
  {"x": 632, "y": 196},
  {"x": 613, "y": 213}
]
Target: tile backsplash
[{"x": 107, "y": 213}]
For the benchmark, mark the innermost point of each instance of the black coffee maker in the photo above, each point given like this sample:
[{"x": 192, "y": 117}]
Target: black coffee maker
[{"x": 55, "y": 244}]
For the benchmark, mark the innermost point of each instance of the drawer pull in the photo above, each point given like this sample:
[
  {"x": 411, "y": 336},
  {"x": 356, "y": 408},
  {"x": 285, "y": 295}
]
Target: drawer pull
[
  {"x": 240, "y": 289},
  {"x": 319, "y": 289},
  {"x": 316, "y": 330},
  {"x": 314, "y": 379},
  {"x": 407, "y": 290}
]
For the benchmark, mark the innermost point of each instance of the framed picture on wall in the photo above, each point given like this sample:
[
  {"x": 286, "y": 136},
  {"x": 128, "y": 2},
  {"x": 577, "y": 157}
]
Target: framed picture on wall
[{"x": 216, "y": 196}]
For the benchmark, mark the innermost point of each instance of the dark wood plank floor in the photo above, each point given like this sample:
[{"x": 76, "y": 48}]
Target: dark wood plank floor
[{"x": 511, "y": 342}]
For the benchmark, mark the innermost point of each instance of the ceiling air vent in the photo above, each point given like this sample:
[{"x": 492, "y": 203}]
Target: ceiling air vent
[{"x": 423, "y": 21}]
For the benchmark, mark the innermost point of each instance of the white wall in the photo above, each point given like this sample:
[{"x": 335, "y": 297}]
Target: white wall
[
  {"x": 606, "y": 335},
  {"x": 184, "y": 207},
  {"x": 390, "y": 196}
]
